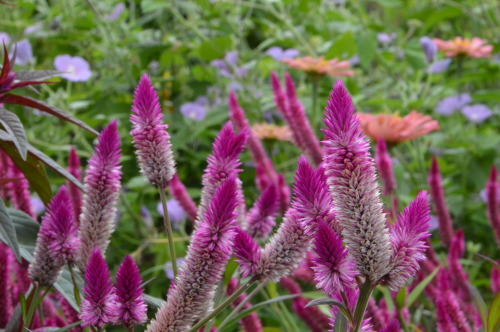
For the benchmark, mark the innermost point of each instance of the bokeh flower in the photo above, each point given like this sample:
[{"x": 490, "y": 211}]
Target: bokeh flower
[
  {"x": 429, "y": 48},
  {"x": 175, "y": 211},
  {"x": 196, "y": 110},
  {"x": 386, "y": 38},
  {"x": 320, "y": 66},
  {"x": 476, "y": 113},
  {"x": 396, "y": 129},
  {"x": 228, "y": 67},
  {"x": 474, "y": 48},
  {"x": 37, "y": 205},
  {"x": 272, "y": 131},
  {"x": 449, "y": 105},
  {"x": 4, "y": 38},
  {"x": 169, "y": 271},
  {"x": 116, "y": 13},
  {"x": 439, "y": 66},
  {"x": 75, "y": 69},
  {"x": 280, "y": 54},
  {"x": 24, "y": 52},
  {"x": 33, "y": 28}
]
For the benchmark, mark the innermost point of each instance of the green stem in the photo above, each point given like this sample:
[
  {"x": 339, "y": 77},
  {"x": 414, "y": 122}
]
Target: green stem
[
  {"x": 168, "y": 229},
  {"x": 223, "y": 305},
  {"x": 364, "y": 296},
  {"x": 76, "y": 291},
  {"x": 32, "y": 306}
]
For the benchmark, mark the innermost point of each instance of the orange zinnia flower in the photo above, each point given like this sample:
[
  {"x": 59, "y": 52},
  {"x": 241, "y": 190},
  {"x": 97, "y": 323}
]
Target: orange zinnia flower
[
  {"x": 395, "y": 129},
  {"x": 271, "y": 131},
  {"x": 320, "y": 66},
  {"x": 475, "y": 48}
]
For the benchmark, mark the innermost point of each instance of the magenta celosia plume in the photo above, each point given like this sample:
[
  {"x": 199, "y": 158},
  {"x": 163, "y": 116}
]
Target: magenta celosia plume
[
  {"x": 408, "y": 243},
  {"x": 251, "y": 322},
  {"x": 102, "y": 186},
  {"x": 384, "y": 166},
  {"x": 56, "y": 243},
  {"x": 151, "y": 140},
  {"x": 6, "y": 284},
  {"x": 437, "y": 194},
  {"x": 495, "y": 278},
  {"x": 179, "y": 192},
  {"x": 260, "y": 219},
  {"x": 492, "y": 189},
  {"x": 355, "y": 192},
  {"x": 98, "y": 304},
  {"x": 207, "y": 255},
  {"x": 75, "y": 169},
  {"x": 248, "y": 253},
  {"x": 459, "y": 279},
  {"x": 19, "y": 193},
  {"x": 131, "y": 309}
]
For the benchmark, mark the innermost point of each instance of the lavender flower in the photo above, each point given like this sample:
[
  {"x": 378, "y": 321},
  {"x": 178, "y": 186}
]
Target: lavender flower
[
  {"x": 384, "y": 166},
  {"x": 99, "y": 301},
  {"x": 334, "y": 269},
  {"x": 437, "y": 194},
  {"x": 492, "y": 194},
  {"x": 31, "y": 29},
  {"x": 102, "y": 185},
  {"x": 439, "y": 66},
  {"x": 146, "y": 217},
  {"x": 476, "y": 113},
  {"x": 169, "y": 270},
  {"x": 151, "y": 139},
  {"x": 280, "y": 54},
  {"x": 75, "y": 69},
  {"x": 228, "y": 67},
  {"x": 24, "y": 52},
  {"x": 196, "y": 110},
  {"x": 408, "y": 237},
  {"x": 449, "y": 105},
  {"x": 116, "y": 13},
  {"x": 75, "y": 193},
  {"x": 385, "y": 38},
  {"x": 131, "y": 309},
  {"x": 429, "y": 48},
  {"x": 207, "y": 255},
  {"x": 175, "y": 211},
  {"x": 356, "y": 197},
  {"x": 261, "y": 218},
  {"x": 37, "y": 205},
  {"x": 56, "y": 241},
  {"x": 4, "y": 38},
  {"x": 179, "y": 192}
]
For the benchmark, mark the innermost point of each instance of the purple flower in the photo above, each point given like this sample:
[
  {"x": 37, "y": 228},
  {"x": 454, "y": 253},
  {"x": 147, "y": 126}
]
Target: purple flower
[
  {"x": 429, "y": 47},
  {"x": 4, "y": 38},
  {"x": 146, "y": 216},
  {"x": 476, "y": 113},
  {"x": 248, "y": 253},
  {"x": 385, "y": 38},
  {"x": 169, "y": 270},
  {"x": 37, "y": 205},
  {"x": 261, "y": 218},
  {"x": 33, "y": 28},
  {"x": 150, "y": 136},
  {"x": 75, "y": 69},
  {"x": 116, "y": 13},
  {"x": 439, "y": 66},
  {"x": 434, "y": 223},
  {"x": 175, "y": 211},
  {"x": 102, "y": 186},
  {"x": 131, "y": 309},
  {"x": 492, "y": 190},
  {"x": 353, "y": 185},
  {"x": 449, "y": 105},
  {"x": 354, "y": 60},
  {"x": 228, "y": 67},
  {"x": 196, "y": 110},
  {"x": 75, "y": 169},
  {"x": 24, "y": 53},
  {"x": 280, "y": 54},
  {"x": 99, "y": 301},
  {"x": 179, "y": 192}
]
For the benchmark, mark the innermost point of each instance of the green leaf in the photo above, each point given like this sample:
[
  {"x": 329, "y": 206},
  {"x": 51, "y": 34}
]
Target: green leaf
[
  {"x": 329, "y": 301},
  {"x": 445, "y": 14},
  {"x": 153, "y": 301},
  {"x": 67, "y": 327},
  {"x": 231, "y": 266},
  {"x": 401, "y": 298},
  {"x": 346, "y": 44},
  {"x": 494, "y": 314},
  {"x": 340, "y": 323},
  {"x": 65, "y": 286},
  {"x": 214, "y": 49},
  {"x": 8, "y": 231},
  {"x": 479, "y": 302},
  {"x": 15, "y": 128},
  {"x": 367, "y": 46},
  {"x": 415, "y": 293}
]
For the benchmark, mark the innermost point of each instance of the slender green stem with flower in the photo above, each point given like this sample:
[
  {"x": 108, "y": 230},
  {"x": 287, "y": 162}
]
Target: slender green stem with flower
[
  {"x": 364, "y": 297},
  {"x": 168, "y": 229}
]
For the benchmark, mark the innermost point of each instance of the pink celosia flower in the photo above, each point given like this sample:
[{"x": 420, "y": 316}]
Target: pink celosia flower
[
  {"x": 6, "y": 308},
  {"x": 458, "y": 277},
  {"x": 98, "y": 304},
  {"x": 151, "y": 139},
  {"x": 492, "y": 189},
  {"x": 333, "y": 269},
  {"x": 495, "y": 279},
  {"x": 355, "y": 193},
  {"x": 131, "y": 309},
  {"x": 392, "y": 327},
  {"x": 207, "y": 255},
  {"x": 408, "y": 242},
  {"x": 251, "y": 322},
  {"x": 437, "y": 194},
  {"x": 475, "y": 48},
  {"x": 179, "y": 192},
  {"x": 378, "y": 313},
  {"x": 70, "y": 314},
  {"x": 261, "y": 217},
  {"x": 19, "y": 193},
  {"x": 102, "y": 186},
  {"x": 56, "y": 241},
  {"x": 248, "y": 253},
  {"x": 75, "y": 193},
  {"x": 384, "y": 166}
]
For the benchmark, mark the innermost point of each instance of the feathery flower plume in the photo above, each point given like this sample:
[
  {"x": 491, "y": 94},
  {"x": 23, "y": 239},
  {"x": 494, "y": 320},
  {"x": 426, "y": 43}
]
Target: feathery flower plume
[
  {"x": 495, "y": 279},
  {"x": 75, "y": 169},
  {"x": 248, "y": 253},
  {"x": 251, "y": 322},
  {"x": 378, "y": 313},
  {"x": 55, "y": 243},
  {"x": 207, "y": 255},
  {"x": 69, "y": 312},
  {"x": 392, "y": 327},
  {"x": 311, "y": 145},
  {"x": 19, "y": 190},
  {"x": 355, "y": 193},
  {"x": 98, "y": 305},
  {"x": 284, "y": 191},
  {"x": 102, "y": 186},
  {"x": 150, "y": 136},
  {"x": 334, "y": 270},
  {"x": 492, "y": 188},
  {"x": 437, "y": 194},
  {"x": 407, "y": 238},
  {"x": 458, "y": 277},
  {"x": 5, "y": 285},
  {"x": 179, "y": 192},
  {"x": 384, "y": 166},
  {"x": 261, "y": 217},
  {"x": 131, "y": 309}
]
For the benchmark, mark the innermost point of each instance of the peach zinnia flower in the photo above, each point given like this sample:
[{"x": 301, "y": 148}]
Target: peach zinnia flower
[
  {"x": 271, "y": 131},
  {"x": 475, "y": 48},
  {"x": 320, "y": 66},
  {"x": 395, "y": 129}
]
